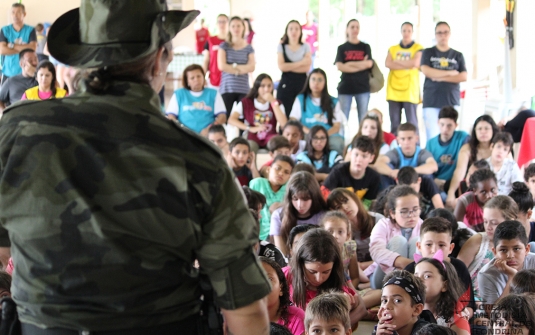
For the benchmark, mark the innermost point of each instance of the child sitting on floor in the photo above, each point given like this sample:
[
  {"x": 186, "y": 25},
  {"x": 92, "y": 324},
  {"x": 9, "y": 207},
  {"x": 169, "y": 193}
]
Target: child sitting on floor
[{"x": 402, "y": 302}]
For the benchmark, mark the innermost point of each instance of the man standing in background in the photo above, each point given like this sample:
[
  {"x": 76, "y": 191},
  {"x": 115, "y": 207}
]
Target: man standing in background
[
  {"x": 201, "y": 36},
  {"x": 13, "y": 39},
  {"x": 444, "y": 69}
]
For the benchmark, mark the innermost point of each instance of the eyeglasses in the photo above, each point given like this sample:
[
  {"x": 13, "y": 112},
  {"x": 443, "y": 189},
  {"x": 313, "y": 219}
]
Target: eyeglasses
[
  {"x": 319, "y": 139},
  {"x": 442, "y": 32},
  {"x": 405, "y": 213}
]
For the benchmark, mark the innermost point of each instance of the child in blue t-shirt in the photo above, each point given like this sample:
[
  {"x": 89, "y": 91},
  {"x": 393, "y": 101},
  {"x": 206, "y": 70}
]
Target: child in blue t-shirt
[
  {"x": 318, "y": 154},
  {"x": 316, "y": 107},
  {"x": 273, "y": 188},
  {"x": 445, "y": 147},
  {"x": 408, "y": 153}
]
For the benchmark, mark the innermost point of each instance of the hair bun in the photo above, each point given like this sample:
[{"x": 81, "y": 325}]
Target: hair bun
[{"x": 520, "y": 187}]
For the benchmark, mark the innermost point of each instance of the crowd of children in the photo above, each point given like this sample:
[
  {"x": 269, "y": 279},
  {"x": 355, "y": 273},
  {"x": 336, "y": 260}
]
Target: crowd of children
[
  {"x": 421, "y": 237},
  {"x": 372, "y": 239}
]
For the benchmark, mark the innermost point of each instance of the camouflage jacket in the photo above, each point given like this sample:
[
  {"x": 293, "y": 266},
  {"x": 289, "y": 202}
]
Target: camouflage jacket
[{"x": 106, "y": 204}]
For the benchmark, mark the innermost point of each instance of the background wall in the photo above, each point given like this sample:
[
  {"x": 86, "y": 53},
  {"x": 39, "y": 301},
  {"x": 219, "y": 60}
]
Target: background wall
[{"x": 40, "y": 11}]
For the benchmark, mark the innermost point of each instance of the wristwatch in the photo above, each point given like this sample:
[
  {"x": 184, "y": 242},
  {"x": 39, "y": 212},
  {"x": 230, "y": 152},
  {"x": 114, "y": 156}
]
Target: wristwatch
[
  {"x": 11, "y": 45},
  {"x": 234, "y": 65},
  {"x": 247, "y": 128}
]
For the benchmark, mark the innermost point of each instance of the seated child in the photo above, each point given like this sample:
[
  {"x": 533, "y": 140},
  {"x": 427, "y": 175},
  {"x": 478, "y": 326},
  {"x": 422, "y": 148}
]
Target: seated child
[
  {"x": 429, "y": 192},
  {"x": 469, "y": 209},
  {"x": 387, "y": 137},
  {"x": 511, "y": 254},
  {"x": 279, "y": 308},
  {"x": 293, "y": 131},
  {"x": 460, "y": 234},
  {"x": 256, "y": 202},
  {"x": 303, "y": 167},
  {"x": 273, "y": 188},
  {"x": 402, "y": 302},
  {"x": 464, "y": 184},
  {"x": 477, "y": 251},
  {"x": 295, "y": 235},
  {"x": 514, "y": 314},
  {"x": 523, "y": 282},
  {"x": 356, "y": 174},
  {"x": 218, "y": 136},
  {"x": 317, "y": 268},
  {"x": 338, "y": 225},
  {"x": 328, "y": 313},
  {"x": 242, "y": 161},
  {"x": 362, "y": 223},
  {"x": 393, "y": 239},
  {"x": 277, "y": 145},
  {"x": 370, "y": 127},
  {"x": 505, "y": 169},
  {"x": 445, "y": 147},
  {"x": 529, "y": 178},
  {"x": 443, "y": 291},
  {"x": 276, "y": 329},
  {"x": 524, "y": 200},
  {"x": 318, "y": 154},
  {"x": 302, "y": 204},
  {"x": 407, "y": 154},
  {"x": 436, "y": 234}
]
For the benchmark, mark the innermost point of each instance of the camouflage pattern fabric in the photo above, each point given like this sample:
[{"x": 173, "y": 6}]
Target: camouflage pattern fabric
[
  {"x": 104, "y": 33},
  {"x": 106, "y": 204}
]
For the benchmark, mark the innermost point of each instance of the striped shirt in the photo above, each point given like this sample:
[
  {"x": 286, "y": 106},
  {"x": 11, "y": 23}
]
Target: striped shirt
[{"x": 229, "y": 82}]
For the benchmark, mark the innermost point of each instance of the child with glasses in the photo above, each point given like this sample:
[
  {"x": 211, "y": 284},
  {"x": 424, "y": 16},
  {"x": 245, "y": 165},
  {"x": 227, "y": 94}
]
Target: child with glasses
[
  {"x": 393, "y": 239},
  {"x": 318, "y": 154}
]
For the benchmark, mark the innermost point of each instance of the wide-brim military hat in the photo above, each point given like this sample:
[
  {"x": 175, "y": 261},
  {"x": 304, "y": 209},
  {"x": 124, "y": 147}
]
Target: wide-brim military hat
[{"x": 110, "y": 32}]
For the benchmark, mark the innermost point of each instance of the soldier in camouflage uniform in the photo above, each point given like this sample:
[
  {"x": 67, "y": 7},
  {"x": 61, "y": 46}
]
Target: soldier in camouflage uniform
[{"x": 106, "y": 204}]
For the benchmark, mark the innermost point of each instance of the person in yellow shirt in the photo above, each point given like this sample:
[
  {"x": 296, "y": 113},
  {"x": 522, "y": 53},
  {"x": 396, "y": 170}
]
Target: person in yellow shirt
[
  {"x": 403, "y": 87},
  {"x": 47, "y": 88}
]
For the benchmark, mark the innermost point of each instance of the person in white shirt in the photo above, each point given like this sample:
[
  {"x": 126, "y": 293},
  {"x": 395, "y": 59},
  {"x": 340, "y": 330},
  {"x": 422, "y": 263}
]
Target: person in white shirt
[{"x": 505, "y": 169}]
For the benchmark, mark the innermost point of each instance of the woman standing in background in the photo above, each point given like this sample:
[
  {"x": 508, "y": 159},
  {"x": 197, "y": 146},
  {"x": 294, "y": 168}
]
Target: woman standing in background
[
  {"x": 354, "y": 59},
  {"x": 403, "y": 88},
  {"x": 236, "y": 60},
  {"x": 294, "y": 59}
]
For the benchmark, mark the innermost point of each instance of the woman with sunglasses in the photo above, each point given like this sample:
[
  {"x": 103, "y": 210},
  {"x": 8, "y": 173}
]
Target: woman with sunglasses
[{"x": 444, "y": 68}]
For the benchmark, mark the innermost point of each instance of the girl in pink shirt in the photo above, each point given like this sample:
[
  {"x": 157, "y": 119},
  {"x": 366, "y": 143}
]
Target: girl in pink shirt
[
  {"x": 393, "y": 239},
  {"x": 317, "y": 267},
  {"x": 279, "y": 305}
]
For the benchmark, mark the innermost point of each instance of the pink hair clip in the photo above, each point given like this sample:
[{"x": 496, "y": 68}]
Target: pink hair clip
[{"x": 439, "y": 256}]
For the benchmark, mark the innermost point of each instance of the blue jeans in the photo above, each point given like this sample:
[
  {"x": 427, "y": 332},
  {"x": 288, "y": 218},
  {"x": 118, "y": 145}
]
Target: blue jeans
[
  {"x": 361, "y": 99},
  {"x": 431, "y": 121}
]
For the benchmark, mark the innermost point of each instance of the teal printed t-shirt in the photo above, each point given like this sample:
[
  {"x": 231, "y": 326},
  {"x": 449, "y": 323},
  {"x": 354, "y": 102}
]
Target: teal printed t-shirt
[{"x": 262, "y": 185}]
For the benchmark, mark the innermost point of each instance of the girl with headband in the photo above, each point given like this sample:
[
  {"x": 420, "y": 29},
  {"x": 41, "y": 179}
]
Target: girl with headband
[{"x": 443, "y": 290}]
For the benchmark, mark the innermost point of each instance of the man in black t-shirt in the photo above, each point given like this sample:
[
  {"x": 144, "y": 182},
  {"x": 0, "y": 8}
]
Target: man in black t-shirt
[
  {"x": 444, "y": 68},
  {"x": 14, "y": 87},
  {"x": 356, "y": 174}
]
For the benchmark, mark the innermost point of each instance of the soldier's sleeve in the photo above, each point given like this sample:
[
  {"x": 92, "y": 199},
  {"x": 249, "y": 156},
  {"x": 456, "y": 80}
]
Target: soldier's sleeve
[{"x": 226, "y": 254}]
